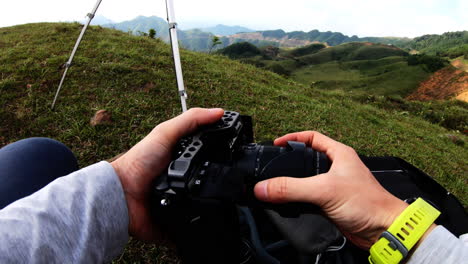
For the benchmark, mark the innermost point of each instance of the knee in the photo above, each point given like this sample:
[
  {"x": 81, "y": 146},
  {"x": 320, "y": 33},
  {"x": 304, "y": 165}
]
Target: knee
[
  {"x": 30, "y": 164},
  {"x": 41, "y": 148},
  {"x": 44, "y": 143},
  {"x": 55, "y": 149}
]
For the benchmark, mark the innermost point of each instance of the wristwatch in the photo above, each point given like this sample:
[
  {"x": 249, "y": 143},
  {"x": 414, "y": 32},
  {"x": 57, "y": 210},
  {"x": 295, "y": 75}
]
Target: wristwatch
[{"x": 395, "y": 243}]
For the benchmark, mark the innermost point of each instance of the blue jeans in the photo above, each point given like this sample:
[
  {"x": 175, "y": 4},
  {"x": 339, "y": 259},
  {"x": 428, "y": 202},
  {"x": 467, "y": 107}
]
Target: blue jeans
[{"x": 30, "y": 164}]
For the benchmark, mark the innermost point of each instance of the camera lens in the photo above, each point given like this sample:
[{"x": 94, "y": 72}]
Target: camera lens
[{"x": 259, "y": 162}]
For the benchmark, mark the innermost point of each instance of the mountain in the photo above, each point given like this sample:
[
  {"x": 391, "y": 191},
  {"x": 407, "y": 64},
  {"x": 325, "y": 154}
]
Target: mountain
[
  {"x": 132, "y": 77},
  {"x": 223, "y": 30},
  {"x": 101, "y": 20},
  {"x": 200, "y": 39},
  {"x": 300, "y": 38},
  {"x": 143, "y": 24},
  {"x": 193, "y": 39},
  {"x": 452, "y": 44}
]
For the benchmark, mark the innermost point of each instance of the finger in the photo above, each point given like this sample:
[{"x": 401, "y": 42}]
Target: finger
[
  {"x": 288, "y": 189},
  {"x": 172, "y": 130},
  {"x": 315, "y": 140}
]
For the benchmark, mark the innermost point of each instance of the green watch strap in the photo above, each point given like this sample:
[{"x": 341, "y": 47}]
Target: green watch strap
[{"x": 395, "y": 243}]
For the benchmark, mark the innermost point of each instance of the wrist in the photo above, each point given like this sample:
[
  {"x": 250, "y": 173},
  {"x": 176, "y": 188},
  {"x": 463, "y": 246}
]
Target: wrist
[
  {"x": 121, "y": 172},
  {"x": 406, "y": 233},
  {"x": 390, "y": 212}
]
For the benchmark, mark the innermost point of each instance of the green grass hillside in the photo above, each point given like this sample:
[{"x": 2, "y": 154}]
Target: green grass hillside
[
  {"x": 449, "y": 44},
  {"x": 132, "y": 77},
  {"x": 371, "y": 68},
  {"x": 386, "y": 76}
]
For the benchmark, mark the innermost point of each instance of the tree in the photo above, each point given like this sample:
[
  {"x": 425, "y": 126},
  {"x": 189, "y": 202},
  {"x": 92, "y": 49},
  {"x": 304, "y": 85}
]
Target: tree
[
  {"x": 214, "y": 42},
  {"x": 152, "y": 33}
]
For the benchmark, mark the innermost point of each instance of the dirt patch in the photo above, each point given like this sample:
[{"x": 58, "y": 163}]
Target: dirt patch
[
  {"x": 446, "y": 83},
  {"x": 459, "y": 64},
  {"x": 463, "y": 96}
]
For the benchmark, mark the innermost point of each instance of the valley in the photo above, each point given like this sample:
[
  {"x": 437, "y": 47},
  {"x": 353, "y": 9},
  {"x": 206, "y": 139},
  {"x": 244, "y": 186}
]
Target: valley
[{"x": 353, "y": 92}]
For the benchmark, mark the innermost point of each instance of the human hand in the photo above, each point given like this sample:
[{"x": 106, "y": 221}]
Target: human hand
[
  {"x": 138, "y": 167},
  {"x": 348, "y": 193}
]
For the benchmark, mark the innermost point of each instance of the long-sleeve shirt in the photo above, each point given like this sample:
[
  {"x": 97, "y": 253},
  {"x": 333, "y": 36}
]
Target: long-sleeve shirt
[
  {"x": 83, "y": 218},
  {"x": 78, "y": 218}
]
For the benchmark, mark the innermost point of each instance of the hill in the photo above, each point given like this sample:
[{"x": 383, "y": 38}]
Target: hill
[
  {"x": 443, "y": 84},
  {"x": 143, "y": 24},
  {"x": 193, "y": 39},
  {"x": 132, "y": 77},
  {"x": 450, "y": 44},
  {"x": 200, "y": 39},
  {"x": 358, "y": 66}
]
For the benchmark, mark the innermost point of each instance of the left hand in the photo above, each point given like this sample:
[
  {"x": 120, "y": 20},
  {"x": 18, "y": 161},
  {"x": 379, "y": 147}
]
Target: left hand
[
  {"x": 138, "y": 168},
  {"x": 348, "y": 193}
]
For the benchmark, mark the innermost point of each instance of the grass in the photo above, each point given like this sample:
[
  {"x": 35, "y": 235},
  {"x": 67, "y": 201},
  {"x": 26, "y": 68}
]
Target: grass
[
  {"x": 132, "y": 77},
  {"x": 372, "y": 68},
  {"x": 386, "y": 76}
]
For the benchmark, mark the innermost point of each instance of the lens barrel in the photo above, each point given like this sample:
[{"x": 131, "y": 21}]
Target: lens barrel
[{"x": 260, "y": 162}]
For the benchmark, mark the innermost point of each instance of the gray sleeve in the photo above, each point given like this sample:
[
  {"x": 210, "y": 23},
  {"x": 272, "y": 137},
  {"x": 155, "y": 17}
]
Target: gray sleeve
[
  {"x": 441, "y": 246},
  {"x": 78, "y": 218}
]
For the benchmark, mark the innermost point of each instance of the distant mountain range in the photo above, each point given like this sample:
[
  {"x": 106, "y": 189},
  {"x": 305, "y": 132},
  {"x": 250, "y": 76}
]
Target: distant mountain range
[
  {"x": 296, "y": 38},
  {"x": 143, "y": 24},
  {"x": 201, "y": 39},
  {"x": 193, "y": 39},
  {"x": 222, "y": 30},
  {"x": 101, "y": 20}
]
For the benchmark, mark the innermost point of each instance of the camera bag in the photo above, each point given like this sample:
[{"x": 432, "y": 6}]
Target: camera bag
[{"x": 311, "y": 238}]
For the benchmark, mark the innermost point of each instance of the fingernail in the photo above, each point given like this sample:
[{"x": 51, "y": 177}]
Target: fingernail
[{"x": 262, "y": 188}]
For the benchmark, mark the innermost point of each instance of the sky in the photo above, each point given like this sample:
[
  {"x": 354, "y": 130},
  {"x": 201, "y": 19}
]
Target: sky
[{"x": 401, "y": 18}]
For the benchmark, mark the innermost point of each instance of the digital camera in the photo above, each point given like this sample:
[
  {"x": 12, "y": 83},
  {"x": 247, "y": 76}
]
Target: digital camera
[{"x": 212, "y": 173}]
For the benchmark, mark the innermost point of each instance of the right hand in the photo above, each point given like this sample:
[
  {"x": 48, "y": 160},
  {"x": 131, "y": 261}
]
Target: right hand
[
  {"x": 138, "y": 168},
  {"x": 348, "y": 193}
]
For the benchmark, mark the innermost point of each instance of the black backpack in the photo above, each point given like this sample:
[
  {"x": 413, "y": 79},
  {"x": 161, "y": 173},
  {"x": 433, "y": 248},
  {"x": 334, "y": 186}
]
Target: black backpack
[{"x": 312, "y": 238}]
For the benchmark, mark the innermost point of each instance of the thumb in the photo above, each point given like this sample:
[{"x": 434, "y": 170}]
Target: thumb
[{"x": 289, "y": 189}]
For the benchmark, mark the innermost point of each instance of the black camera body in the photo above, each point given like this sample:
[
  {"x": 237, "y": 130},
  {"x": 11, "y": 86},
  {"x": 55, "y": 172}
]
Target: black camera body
[
  {"x": 220, "y": 162},
  {"x": 212, "y": 173}
]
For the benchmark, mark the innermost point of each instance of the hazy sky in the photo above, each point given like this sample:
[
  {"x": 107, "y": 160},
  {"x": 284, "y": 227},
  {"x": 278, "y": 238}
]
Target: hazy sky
[{"x": 352, "y": 17}]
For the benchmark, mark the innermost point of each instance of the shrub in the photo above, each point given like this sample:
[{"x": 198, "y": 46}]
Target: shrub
[
  {"x": 276, "y": 68},
  {"x": 152, "y": 33},
  {"x": 310, "y": 49},
  {"x": 431, "y": 63},
  {"x": 240, "y": 50}
]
